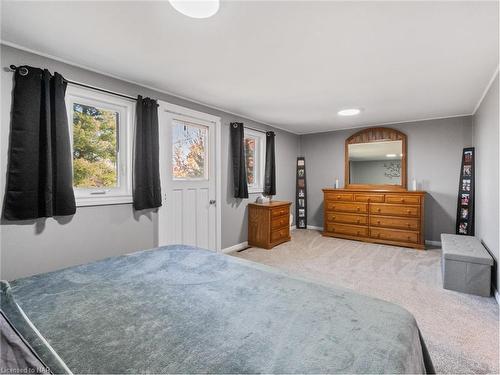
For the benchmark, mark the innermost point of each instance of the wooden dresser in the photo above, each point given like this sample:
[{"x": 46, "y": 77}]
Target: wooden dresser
[
  {"x": 268, "y": 224},
  {"x": 388, "y": 217}
]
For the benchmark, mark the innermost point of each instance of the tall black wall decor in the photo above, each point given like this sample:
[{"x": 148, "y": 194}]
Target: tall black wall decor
[
  {"x": 465, "y": 205},
  {"x": 301, "y": 199}
]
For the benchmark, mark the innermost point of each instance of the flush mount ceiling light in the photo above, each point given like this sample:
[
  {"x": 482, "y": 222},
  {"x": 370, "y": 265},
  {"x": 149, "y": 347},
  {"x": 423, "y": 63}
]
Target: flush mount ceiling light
[
  {"x": 196, "y": 8},
  {"x": 349, "y": 112}
]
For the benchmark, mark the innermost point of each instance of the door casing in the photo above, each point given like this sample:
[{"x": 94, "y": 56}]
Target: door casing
[{"x": 165, "y": 107}]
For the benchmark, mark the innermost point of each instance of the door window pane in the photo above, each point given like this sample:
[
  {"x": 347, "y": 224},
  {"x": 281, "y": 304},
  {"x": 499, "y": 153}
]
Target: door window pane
[
  {"x": 95, "y": 149},
  {"x": 189, "y": 151}
]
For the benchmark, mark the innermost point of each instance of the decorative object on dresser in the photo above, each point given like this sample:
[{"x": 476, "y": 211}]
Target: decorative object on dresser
[
  {"x": 301, "y": 199},
  {"x": 268, "y": 224},
  {"x": 389, "y": 217},
  {"x": 375, "y": 206},
  {"x": 465, "y": 204}
]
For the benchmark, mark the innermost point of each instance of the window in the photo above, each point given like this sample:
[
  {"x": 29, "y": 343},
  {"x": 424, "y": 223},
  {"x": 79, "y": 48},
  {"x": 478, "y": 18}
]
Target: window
[
  {"x": 100, "y": 130},
  {"x": 189, "y": 151},
  {"x": 255, "y": 144}
]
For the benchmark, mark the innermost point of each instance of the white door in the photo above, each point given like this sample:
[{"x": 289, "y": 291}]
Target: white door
[{"x": 188, "y": 171}]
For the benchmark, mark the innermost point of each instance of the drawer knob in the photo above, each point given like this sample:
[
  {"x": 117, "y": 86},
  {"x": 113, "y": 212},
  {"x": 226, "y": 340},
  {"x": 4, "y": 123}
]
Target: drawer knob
[
  {"x": 338, "y": 196},
  {"x": 402, "y": 200},
  {"x": 357, "y": 221},
  {"x": 408, "y": 238},
  {"x": 378, "y": 221},
  {"x": 357, "y": 232},
  {"x": 408, "y": 211},
  {"x": 378, "y": 209},
  {"x": 357, "y": 208}
]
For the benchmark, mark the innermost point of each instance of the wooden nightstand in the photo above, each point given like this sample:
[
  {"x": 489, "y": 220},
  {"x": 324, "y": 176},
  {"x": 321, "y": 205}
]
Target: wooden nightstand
[{"x": 268, "y": 224}]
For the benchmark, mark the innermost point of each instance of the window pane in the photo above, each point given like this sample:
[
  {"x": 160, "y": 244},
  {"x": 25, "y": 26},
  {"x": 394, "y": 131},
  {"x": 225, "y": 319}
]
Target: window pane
[
  {"x": 189, "y": 157},
  {"x": 250, "y": 159},
  {"x": 94, "y": 147}
]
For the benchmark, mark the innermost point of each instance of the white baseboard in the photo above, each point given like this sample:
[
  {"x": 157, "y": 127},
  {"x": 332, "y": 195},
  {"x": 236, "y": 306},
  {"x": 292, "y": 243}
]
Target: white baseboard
[
  {"x": 239, "y": 246},
  {"x": 293, "y": 227},
  {"x": 314, "y": 227},
  {"x": 433, "y": 243}
]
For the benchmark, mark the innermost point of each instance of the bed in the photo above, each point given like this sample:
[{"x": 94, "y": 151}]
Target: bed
[{"x": 181, "y": 309}]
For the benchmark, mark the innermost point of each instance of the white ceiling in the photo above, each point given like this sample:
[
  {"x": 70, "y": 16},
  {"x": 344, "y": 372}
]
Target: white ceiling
[{"x": 292, "y": 64}]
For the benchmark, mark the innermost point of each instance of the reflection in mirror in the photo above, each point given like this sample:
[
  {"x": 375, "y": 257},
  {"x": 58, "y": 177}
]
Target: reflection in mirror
[{"x": 376, "y": 163}]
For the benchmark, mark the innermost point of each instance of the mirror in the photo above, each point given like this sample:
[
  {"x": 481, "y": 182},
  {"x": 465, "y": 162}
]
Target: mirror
[{"x": 376, "y": 159}]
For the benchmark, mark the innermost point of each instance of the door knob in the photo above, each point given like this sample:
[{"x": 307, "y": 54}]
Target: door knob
[{"x": 212, "y": 201}]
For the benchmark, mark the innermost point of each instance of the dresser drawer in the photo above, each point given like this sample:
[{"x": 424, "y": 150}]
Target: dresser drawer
[
  {"x": 280, "y": 222},
  {"x": 280, "y": 211},
  {"x": 394, "y": 210},
  {"x": 348, "y": 230},
  {"x": 373, "y": 198},
  {"x": 338, "y": 196},
  {"x": 406, "y": 199},
  {"x": 394, "y": 235},
  {"x": 279, "y": 234},
  {"x": 394, "y": 222},
  {"x": 335, "y": 217},
  {"x": 347, "y": 207}
]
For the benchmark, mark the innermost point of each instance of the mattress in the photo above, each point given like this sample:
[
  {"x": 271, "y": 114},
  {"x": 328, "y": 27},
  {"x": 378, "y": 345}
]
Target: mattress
[{"x": 181, "y": 309}]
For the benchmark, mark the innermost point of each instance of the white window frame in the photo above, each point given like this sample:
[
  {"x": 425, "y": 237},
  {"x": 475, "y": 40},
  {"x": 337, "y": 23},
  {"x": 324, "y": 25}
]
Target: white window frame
[
  {"x": 126, "y": 110},
  {"x": 260, "y": 159}
]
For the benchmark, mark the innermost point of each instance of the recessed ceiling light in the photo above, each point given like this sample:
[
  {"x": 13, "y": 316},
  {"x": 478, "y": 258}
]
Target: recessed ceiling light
[
  {"x": 349, "y": 112},
  {"x": 196, "y": 8},
  {"x": 391, "y": 155}
]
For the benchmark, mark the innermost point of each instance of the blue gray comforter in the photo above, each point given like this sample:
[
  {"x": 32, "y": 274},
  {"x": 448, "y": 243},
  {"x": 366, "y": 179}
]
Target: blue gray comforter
[{"x": 180, "y": 309}]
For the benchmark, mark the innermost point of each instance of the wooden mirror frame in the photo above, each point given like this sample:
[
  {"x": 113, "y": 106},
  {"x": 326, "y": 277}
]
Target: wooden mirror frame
[{"x": 377, "y": 135}]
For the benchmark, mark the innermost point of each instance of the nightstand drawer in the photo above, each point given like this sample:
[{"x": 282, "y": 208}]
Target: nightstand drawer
[
  {"x": 280, "y": 211},
  {"x": 280, "y": 222},
  {"x": 280, "y": 234}
]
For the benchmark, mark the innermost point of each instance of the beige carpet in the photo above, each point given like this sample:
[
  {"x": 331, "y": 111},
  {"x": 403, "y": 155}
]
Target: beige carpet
[{"x": 461, "y": 330}]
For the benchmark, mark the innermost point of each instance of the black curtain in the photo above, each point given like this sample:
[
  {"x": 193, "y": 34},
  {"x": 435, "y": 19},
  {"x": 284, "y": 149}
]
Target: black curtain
[
  {"x": 270, "y": 171},
  {"x": 146, "y": 186},
  {"x": 39, "y": 176},
  {"x": 240, "y": 185}
]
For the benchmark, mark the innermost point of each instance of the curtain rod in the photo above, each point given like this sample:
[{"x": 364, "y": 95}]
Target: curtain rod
[
  {"x": 14, "y": 68},
  {"x": 256, "y": 130}
]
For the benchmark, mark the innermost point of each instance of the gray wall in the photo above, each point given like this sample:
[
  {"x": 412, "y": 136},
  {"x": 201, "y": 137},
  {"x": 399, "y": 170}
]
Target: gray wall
[
  {"x": 99, "y": 232},
  {"x": 434, "y": 157},
  {"x": 486, "y": 139}
]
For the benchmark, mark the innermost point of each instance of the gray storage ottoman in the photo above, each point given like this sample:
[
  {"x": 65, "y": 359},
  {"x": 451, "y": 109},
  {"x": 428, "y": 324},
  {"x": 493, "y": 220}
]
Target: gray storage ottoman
[{"x": 466, "y": 265}]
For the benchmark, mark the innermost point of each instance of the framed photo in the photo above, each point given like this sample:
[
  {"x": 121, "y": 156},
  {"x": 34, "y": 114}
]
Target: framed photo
[
  {"x": 462, "y": 229},
  {"x": 465, "y": 200},
  {"x": 467, "y": 170},
  {"x": 302, "y": 202},
  {"x": 300, "y": 172},
  {"x": 301, "y": 193},
  {"x": 301, "y": 183},
  {"x": 301, "y": 223},
  {"x": 466, "y": 185},
  {"x": 301, "y": 163},
  {"x": 464, "y": 213},
  {"x": 467, "y": 157}
]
